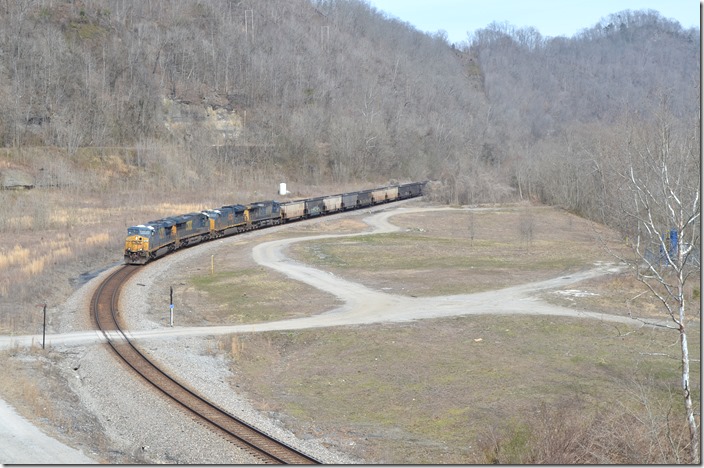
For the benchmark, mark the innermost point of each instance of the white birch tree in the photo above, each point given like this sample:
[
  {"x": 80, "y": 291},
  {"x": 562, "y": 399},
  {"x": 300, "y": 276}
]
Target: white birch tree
[{"x": 662, "y": 206}]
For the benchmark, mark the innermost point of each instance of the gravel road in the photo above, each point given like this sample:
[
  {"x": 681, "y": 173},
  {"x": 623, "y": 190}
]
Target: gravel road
[
  {"x": 22, "y": 442},
  {"x": 155, "y": 432}
]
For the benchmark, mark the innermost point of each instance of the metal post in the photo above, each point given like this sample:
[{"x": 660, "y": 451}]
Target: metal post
[{"x": 171, "y": 306}]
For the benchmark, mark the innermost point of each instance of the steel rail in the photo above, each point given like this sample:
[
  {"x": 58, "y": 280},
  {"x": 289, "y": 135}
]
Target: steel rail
[{"x": 104, "y": 308}]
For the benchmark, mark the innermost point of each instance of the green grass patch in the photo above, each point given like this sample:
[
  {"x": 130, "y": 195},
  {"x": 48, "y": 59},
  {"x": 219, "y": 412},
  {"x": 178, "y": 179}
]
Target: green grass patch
[
  {"x": 253, "y": 295},
  {"x": 405, "y": 261}
]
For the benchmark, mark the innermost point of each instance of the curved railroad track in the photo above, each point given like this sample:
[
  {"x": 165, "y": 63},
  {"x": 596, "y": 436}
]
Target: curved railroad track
[{"x": 104, "y": 311}]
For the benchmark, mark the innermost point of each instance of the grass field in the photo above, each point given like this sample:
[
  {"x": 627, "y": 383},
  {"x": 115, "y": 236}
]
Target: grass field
[
  {"x": 433, "y": 393},
  {"x": 468, "y": 389}
]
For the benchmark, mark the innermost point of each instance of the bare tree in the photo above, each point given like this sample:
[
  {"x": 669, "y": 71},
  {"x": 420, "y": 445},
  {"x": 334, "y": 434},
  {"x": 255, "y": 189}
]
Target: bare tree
[
  {"x": 526, "y": 225},
  {"x": 662, "y": 183}
]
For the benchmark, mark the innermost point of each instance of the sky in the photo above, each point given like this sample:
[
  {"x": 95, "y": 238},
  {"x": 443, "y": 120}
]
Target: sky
[{"x": 550, "y": 17}]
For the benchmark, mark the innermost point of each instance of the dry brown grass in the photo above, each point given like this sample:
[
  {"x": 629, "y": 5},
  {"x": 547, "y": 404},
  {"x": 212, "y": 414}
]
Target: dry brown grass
[
  {"x": 624, "y": 294},
  {"x": 571, "y": 432},
  {"x": 18, "y": 255},
  {"x": 179, "y": 208},
  {"x": 100, "y": 239},
  {"x": 51, "y": 235}
]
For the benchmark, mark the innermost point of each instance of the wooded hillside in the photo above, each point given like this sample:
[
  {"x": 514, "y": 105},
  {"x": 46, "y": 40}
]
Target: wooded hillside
[
  {"x": 323, "y": 91},
  {"x": 568, "y": 115},
  {"x": 330, "y": 91}
]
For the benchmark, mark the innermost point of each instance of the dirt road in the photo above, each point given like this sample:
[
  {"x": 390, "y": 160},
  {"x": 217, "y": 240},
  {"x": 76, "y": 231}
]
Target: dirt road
[{"x": 365, "y": 305}]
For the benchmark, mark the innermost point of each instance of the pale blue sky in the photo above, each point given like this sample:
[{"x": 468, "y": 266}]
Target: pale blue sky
[{"x": 550, "y": 17}]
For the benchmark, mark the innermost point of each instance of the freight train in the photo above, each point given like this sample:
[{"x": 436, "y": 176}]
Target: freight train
[{"x": 157, "y": 238}]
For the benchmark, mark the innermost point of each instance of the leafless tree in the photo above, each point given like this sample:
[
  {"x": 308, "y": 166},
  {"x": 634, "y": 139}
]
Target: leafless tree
[
  {"x": 526, "y": 225},
  {"x": 662, "y": 189}
]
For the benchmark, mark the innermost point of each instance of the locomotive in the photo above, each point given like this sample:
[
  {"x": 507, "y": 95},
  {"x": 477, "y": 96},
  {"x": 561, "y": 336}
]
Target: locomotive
[{"x": 159, "y": 237}]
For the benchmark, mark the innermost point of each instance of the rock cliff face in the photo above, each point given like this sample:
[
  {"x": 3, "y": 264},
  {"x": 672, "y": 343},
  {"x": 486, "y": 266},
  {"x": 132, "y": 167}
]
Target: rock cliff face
[
  {"x": 214, "y": 124},
  {"x": 15, "y": 179}
]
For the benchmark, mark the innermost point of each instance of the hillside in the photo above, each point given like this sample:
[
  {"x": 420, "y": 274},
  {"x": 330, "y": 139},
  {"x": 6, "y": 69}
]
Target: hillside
[
  {"x": 319, "y": 91},
  {"x": 568, "y": 115},
  {"x": 327, "y": 91}
]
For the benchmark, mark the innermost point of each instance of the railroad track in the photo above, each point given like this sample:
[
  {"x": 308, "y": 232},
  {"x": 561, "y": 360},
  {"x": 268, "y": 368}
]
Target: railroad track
[{"x": 104, "y": 310}]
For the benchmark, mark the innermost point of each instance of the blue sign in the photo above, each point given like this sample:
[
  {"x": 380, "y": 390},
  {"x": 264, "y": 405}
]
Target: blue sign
[{"x": 673, "y": 242}]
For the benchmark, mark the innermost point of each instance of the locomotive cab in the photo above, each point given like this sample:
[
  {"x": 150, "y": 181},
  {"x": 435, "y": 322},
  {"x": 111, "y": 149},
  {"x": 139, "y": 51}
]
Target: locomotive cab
[{"x": 137, "y": 244}]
